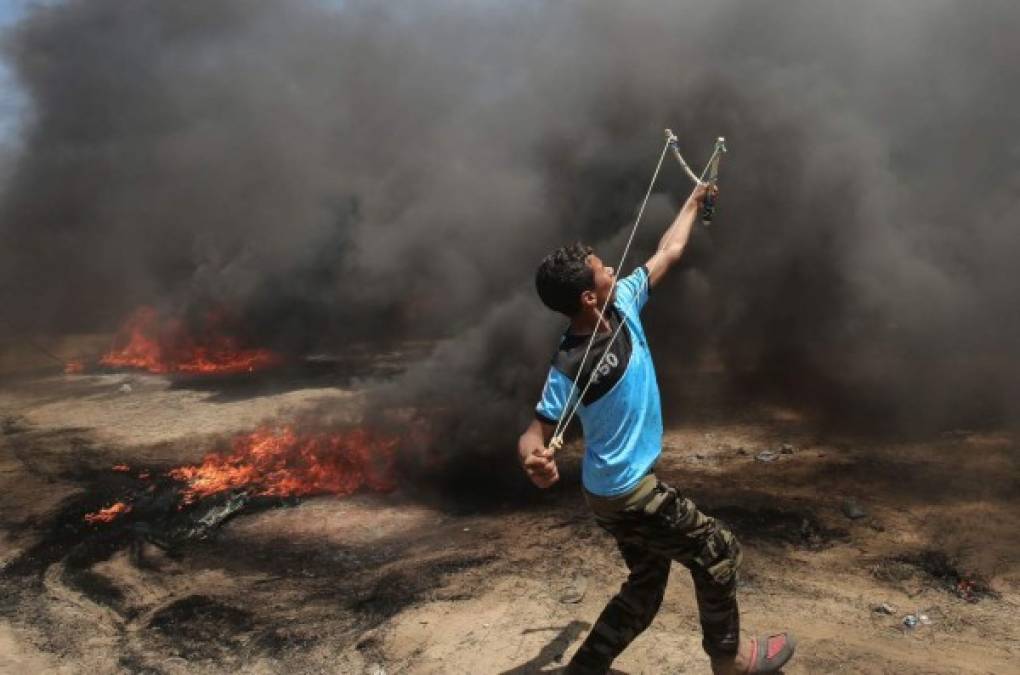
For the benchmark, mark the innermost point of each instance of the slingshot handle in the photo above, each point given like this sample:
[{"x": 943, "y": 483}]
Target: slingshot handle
[{"x": 708, "y": 208}]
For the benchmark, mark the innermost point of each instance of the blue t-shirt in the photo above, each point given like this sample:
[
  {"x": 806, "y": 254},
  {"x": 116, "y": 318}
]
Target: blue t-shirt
[{"x": 621, "y": 413}]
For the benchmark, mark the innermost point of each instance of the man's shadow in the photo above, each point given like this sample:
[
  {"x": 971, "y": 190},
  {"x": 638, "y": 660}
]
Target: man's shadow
[{"x": 554, "y": 651}]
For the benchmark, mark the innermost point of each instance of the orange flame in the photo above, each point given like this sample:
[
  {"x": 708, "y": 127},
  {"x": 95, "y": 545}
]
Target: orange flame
[
  {"x": 74, "y": 367},
  {"x": 109, "y": 514},
  {"x": 284, "y": 463},
  {"x": 150, "y": 342}
]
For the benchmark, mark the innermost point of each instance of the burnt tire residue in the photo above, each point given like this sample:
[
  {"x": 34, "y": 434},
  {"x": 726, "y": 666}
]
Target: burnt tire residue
[
  {"x": 774, "y": 526},
  {"x": 202, "y": 627},
  {"x": 95, "y": 587},
  {"x": 275, "y": 641},
  {"x": 393, "y": 592},
  {"x": 933, "y": 568}
]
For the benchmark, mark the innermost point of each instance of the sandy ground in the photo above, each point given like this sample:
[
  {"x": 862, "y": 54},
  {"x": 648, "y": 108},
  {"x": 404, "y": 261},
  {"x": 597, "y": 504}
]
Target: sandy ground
[{"x": 390, "y": 584}]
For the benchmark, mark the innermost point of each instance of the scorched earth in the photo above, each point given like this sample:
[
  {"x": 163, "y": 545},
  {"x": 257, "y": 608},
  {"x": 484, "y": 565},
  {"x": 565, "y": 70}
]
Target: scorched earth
[{"x": 121, "y": 553}]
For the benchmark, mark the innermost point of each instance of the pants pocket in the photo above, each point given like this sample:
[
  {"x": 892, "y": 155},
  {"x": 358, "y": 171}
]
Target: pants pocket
[
  {"x": 721, "y": 555},
  {"x": 700, "y": 541}
]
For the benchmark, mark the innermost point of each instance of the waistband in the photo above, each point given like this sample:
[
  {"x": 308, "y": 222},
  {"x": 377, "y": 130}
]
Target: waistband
[{"x": 635, "y": 499}]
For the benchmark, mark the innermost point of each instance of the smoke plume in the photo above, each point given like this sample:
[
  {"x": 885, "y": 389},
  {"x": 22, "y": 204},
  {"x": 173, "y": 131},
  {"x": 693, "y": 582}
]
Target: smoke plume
[{"x": 352, "y": 171}]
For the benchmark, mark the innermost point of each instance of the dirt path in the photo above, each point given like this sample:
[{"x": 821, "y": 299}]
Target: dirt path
[
  {"x": 388, "y": 584},
  {"x": 808, "y": 567}
]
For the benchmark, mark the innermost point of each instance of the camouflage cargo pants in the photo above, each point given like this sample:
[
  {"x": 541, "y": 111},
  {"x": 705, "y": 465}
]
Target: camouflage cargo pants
[{"x": 663, "y": 526}]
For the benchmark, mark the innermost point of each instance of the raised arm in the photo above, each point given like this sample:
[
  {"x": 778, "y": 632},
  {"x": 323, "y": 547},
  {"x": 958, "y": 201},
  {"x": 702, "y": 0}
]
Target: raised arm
[
  {"x": 536, "y": 458},
  {"x": 674, "y": 240}
]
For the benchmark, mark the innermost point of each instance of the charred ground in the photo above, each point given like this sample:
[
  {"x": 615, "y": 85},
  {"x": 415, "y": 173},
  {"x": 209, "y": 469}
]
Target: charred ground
[{"x": 417, "y": 584}]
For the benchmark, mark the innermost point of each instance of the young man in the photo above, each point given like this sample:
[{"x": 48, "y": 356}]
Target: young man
[{"x": 653, "y": 524}]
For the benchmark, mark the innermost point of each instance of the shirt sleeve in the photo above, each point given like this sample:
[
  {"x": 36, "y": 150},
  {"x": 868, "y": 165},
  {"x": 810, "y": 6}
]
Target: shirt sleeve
[
  {"x": 632, "y": 291},
  {"x": 554, "y": 397}
]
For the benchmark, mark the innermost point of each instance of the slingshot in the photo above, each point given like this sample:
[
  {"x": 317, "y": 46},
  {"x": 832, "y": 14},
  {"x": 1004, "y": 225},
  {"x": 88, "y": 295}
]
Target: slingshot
[{"x": 711, "y": 171}]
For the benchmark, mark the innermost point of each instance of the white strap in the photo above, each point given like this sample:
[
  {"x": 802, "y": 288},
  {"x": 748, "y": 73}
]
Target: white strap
[
  {"x": 561, "y": 426},
  {"x": 711, "y": 170}
]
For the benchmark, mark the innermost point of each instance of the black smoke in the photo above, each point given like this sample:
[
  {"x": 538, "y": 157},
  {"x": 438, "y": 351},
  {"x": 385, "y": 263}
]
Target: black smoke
[{"x": 351, "y": 171}]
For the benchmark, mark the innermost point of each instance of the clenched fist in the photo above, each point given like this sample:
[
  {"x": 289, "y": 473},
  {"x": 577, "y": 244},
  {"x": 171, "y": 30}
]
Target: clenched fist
[{"x": 540, "y": 465}]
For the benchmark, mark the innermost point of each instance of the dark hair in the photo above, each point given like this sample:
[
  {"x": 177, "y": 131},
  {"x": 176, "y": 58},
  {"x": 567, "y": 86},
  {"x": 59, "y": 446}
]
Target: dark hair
[{"x": 563, "y": 275}]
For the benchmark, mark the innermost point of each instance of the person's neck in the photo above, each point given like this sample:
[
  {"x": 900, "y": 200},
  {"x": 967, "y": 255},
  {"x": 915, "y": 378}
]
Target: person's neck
[{"x": 586, "y": 322}]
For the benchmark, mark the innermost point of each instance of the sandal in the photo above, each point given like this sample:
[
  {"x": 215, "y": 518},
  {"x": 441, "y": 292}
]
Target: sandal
[{"x": 767, "y": 655}]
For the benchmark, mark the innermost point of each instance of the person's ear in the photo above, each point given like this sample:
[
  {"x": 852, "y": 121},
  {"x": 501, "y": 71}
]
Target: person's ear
[{"x": 589, "y": 299}]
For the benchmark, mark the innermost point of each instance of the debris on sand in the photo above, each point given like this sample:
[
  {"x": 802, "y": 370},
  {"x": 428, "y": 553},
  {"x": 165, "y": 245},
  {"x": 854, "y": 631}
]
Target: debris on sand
[
  {"x": 769, "y": 456},
  {"x": 216, "y": 516},
  {"x": 972, "y": 591},
  {"x": 576, "y": 590},
  {"x": 918, "y": 618},
  {"x": 884, "y": 608},
  {"x": 852, "y": 509}
]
